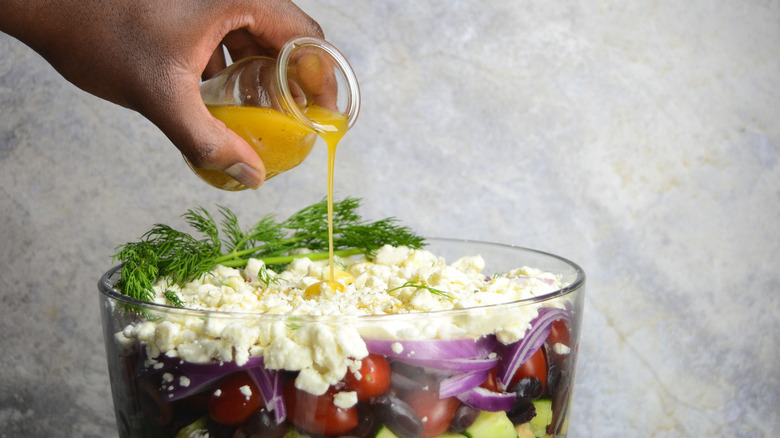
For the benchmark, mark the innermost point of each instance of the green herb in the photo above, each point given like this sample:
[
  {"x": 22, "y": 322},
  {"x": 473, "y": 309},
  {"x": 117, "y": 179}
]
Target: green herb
[
  {"x": 173, "y": 298},
  {"x": 265, "y": 277},
  {"x": 422, "y": 286},
  {"x": 181, "y": 257}
]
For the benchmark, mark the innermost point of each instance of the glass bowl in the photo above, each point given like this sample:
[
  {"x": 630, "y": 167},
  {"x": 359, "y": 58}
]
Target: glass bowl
[{"x": 447, "y": 373}]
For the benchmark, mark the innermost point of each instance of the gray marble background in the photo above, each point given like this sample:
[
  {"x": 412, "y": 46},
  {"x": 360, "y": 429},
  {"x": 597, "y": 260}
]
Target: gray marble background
[{"x": 639, "y": 139}]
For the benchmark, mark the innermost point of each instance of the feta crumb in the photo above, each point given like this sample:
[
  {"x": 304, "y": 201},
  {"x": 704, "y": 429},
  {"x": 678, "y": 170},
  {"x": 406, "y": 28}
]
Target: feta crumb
[
  {"x": 397, "y": 347},
  {"x": 247, "y": 391},
  {"x": 561, "y": 348},
  {"x": 345, "y": 400}
]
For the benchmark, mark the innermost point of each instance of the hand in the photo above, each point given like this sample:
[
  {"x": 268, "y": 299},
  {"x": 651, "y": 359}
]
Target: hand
[{"x": 149, "y": 56}]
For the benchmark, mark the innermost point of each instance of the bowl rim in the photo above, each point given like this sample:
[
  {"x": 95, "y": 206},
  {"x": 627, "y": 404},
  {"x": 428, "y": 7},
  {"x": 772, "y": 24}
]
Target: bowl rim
[{"x": 107, "y": 282}]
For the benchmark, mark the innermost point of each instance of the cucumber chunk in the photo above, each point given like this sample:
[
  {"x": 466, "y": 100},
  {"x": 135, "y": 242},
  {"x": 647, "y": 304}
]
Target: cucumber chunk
[
  {"x": 491, "y": 425},
  {"x": 384, "y": 432},
  {"x": 293, "y": 433},
  {"x": 196, "y": 428},
  {"x": 543, "y": 417}
]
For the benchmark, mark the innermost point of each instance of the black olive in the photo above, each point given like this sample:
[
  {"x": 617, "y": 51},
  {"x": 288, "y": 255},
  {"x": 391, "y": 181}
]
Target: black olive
[
  {"x": 523, "y": 410},
  {"x": 463, "y": 418},
  {"x": 528, "y": 387},
  {"x": 152, "y": 402},
  {"x": 218, "y": 430},
  {"x": 367, "y": 424},
  {"x": 398, "y": 416},
  {"x": 262, "y": 424}
]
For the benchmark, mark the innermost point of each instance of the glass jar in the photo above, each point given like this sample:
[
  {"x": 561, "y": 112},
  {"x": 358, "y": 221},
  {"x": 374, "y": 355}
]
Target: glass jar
[{"x": 279, "y": 106}]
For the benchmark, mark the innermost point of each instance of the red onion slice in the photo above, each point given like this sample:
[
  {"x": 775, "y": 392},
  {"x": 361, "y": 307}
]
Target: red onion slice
[
  {"x": 270, "y": 384},
  {"x": 517, "y": 353},
  {"x": 487, "y": 400},
  {"x": 460, "y": 383}
]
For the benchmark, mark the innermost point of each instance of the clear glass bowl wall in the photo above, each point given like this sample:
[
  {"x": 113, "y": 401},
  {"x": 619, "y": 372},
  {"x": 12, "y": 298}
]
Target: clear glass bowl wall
[{"x": 142, "y": 410}]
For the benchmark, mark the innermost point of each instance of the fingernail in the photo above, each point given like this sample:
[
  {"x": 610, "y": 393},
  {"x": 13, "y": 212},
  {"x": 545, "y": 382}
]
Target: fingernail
[{"x": 245, "y": 174}]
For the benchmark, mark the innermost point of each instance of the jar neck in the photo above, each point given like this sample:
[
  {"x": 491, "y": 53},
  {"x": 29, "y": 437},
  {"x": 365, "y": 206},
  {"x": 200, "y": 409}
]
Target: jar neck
[{"x": 310, "y": 71}]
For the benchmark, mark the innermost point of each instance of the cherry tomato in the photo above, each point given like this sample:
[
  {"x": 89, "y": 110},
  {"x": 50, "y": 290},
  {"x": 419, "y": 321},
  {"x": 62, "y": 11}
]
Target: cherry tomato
[
  {"x": 372, "y": 380},
  {"x": 535, "y": 366},
  {"x": 235, "y": 399},
  {"x": 318, "y": 413},
  {"x": 559, "y": 333},
  {"x": 436, "y": 413},
  {"x": 491, "y": 382}
]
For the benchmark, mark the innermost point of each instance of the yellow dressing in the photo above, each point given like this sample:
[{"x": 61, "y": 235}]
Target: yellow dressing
[
  {"x": 281, "y": 141},
  {"x": 334, "y": 125}
]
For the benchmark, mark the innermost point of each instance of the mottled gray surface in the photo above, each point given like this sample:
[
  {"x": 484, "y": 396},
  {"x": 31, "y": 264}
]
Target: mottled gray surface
[{"x": 639, "y": 139}]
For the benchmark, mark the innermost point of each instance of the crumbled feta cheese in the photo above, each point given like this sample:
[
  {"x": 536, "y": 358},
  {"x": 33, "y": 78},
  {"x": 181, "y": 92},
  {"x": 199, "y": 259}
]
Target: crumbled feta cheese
[
  {"x": 345, "y": 400},
  {"x": 246, "y": 391},
  {"x": 398, "y": 280}
]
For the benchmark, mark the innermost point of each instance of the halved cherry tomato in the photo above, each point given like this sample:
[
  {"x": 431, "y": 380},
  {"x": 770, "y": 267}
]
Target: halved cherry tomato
[
  {"x": 559, "y": 333},
  {"x": 372, "y": 380},
  {"x": 436, "y": 413},
  {"x": 491, "y": 382},
  {"x": 318, "y": 413},
  {"x": 535, "y": 366},
  {"x": 235, "y": 399}
]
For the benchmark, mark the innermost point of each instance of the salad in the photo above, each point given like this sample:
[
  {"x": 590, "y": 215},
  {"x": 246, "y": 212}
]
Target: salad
[{"x": 401, "y": 343}]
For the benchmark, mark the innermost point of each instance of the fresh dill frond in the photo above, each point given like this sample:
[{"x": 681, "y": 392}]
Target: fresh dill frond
[
  {"x": 181, "y": 257},
  {"x": 173, "y": 298},
  {"x": 422, "y": 286},
  {"x": 265, "y": 277}
]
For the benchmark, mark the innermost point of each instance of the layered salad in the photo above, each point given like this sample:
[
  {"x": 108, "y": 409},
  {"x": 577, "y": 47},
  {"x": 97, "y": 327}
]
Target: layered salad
[{"x": 392, "y": 341}]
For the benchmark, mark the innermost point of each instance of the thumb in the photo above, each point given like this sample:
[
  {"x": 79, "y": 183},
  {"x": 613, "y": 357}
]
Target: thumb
[{"x": 205, "y": 141}]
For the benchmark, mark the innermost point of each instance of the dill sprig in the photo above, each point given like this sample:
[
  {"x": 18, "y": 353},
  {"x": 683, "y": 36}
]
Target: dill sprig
[
  {"x": 181, "y": 257},
  {"x": 422, "y": 286},
  {"x": 173, "y": 298}
]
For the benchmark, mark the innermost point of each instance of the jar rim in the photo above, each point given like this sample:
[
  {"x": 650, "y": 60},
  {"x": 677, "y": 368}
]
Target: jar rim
[{"x": 353, "y": 95}]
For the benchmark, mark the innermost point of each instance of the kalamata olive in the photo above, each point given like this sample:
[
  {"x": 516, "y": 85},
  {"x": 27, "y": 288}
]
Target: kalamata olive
[
  {"x": 219, "y": 430},
  {"x": 152, "y": 402},
  {"x": 367, "y": 424},
  {"x": 522, "y": 411},
  {"x": 398, "y": 416},
  {"x": 463, "y": 418},
  {"x": 401, "y": 384},
  {"x": 262, "y": 424},
  {"x": 529, "y": 388},
  {"x": 405, "y": 378},
  {"x": 558, "y": 372}
]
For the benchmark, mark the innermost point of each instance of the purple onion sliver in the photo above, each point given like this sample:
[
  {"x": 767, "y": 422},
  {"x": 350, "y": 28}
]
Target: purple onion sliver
[
  {"x": 487, "y": 400},
  {"x": 437, "y": 349},
  {"x": 199, "y": 376},
  {"x": 460, "y": 365},
  {"x": 270, "y": 384},
  {"x": 534, "y": 338},
  {"x": 460, "y": 383}
]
